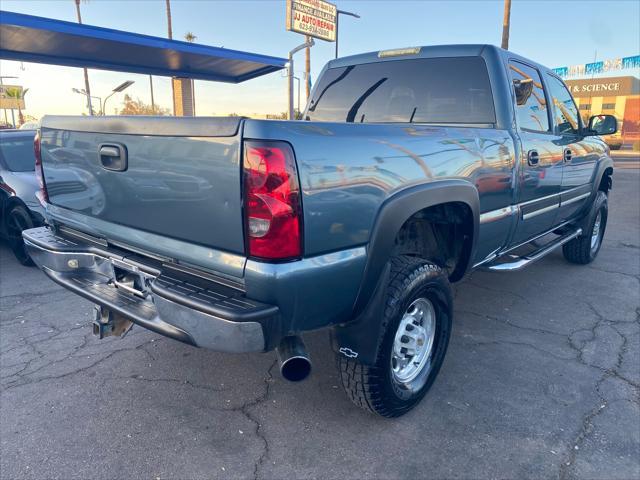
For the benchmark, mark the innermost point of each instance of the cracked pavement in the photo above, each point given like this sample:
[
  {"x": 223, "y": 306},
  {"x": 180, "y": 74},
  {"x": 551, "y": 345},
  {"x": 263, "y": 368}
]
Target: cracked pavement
[{"x": 542, "y": 380}]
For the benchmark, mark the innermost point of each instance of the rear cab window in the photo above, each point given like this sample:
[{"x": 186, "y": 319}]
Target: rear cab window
[
  {"x": 425, "y": 90},
  {"x": 17, "y": 152}
]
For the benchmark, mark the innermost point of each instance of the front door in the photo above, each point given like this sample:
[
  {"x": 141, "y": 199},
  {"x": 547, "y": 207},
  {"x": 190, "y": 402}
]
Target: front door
[
  {"x": 579, "y": 154},
  {"x": 540, "y": 173}
]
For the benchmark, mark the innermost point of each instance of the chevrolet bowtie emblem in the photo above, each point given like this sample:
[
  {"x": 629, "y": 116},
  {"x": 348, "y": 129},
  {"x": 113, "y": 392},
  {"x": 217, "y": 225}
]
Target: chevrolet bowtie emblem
[{"x": 347, "y": 352}]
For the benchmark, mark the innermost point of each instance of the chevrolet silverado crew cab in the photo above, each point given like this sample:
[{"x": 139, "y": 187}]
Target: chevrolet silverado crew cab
[{"x": 410, "y": 168}]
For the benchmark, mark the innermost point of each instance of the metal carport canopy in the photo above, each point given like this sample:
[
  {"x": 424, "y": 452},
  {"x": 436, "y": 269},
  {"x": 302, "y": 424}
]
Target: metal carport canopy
[{"x": 42, "y": 40}]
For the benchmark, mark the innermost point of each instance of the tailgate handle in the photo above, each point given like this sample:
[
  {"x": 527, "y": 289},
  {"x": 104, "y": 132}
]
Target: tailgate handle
[{"x": 113, "y": 156}]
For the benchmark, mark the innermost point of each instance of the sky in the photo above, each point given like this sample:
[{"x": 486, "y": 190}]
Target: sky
[{"x": 552, "y": 32}]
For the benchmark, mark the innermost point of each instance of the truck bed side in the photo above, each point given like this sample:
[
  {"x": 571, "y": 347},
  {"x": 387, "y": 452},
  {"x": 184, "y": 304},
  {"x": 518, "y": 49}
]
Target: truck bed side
[{"x": 348, "y": 170}]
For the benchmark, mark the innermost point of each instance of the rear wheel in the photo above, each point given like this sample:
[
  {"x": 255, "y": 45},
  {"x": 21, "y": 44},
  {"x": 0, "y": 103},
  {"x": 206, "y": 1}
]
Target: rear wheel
[
  {"x": 585, "y": 248},
  {"x": 415, "y": 336},
  {"x": 19, "y": 219}
]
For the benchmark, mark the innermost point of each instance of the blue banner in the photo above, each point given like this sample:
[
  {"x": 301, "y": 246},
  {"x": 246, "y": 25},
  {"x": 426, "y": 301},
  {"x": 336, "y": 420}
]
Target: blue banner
[
  {"x": 595, "y": 67},
  {"x": 631, "y": 62},
  {"x": 561, "y": 71},
  {"x": 599, "y": 67}
]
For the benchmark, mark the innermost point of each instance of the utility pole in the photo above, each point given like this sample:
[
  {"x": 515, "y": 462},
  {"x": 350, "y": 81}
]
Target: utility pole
[
  {"x": 307, "y": 66},
  {"x": 505, "y": 24},
  {"x": 169, "y": 31},
  {"x": 308, "y": 44},
  {"x": 86, "y": 74}
]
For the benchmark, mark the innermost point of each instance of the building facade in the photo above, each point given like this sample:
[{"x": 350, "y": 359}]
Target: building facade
[{"x": 618, "y": 96}]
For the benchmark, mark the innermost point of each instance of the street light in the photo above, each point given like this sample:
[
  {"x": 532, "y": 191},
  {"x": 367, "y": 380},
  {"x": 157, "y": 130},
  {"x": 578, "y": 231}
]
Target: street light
[
  {"x": 118, "y": 89},
  {"x": 309, "y": 43},
  {"x": 82, "y": 91},
  {"x": 338, "y": 13},
  {"x": 297, "y": 79}
]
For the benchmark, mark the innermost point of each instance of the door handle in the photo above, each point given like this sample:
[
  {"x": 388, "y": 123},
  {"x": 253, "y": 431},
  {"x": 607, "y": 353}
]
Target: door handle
[
  {"x": 113, "y": 156},
  {"x": 567, "y": 155},
  {"x": 533, "y": 158}
]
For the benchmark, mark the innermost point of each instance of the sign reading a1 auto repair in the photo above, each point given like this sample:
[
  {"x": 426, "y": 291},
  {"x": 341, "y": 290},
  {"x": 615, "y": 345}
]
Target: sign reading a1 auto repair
[
  {"x": 11, "y": 97},
  {"x": 315, "y": 18}
]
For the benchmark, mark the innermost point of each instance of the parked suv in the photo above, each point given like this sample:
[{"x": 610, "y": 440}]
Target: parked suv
[{"x": 411, "y": 168}]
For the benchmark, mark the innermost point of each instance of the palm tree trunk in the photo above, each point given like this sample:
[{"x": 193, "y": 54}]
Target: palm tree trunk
[
  {"x": 88, "y": 90},
  {"x": 86, "y": 74},
  {"x": 153, "y": 102}
]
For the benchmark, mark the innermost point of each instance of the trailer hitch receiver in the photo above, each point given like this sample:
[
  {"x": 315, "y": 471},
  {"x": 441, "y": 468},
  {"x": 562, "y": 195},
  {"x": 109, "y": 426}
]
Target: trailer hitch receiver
[{"x": 108, "y": 323}]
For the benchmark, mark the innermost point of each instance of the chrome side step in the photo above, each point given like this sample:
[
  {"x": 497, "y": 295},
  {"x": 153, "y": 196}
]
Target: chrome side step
[{"x": 518, "y": 263}]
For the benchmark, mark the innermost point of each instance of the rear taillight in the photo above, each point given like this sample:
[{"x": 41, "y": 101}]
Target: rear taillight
[
  {"x": 42, "y": 194},
  {"x": 273, "y": 210}
]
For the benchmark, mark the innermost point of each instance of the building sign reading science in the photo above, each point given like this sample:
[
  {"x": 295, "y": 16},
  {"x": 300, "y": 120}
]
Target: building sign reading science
[
  {"x": 604, "y": 87},
  {"x": 315, "y": 18}
]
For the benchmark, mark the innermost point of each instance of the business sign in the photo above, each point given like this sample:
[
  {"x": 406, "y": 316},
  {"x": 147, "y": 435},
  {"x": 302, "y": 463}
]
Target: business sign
[
  {"x": 11, "y": 97},
  {"x": 315, "y": 18},
  {"x": 622, "y": 63},
  {"x": 604, "y": 87}
]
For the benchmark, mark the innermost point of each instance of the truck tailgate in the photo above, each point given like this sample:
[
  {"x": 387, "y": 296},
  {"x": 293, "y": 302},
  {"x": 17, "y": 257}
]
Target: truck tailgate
[{"x": 176, "y": 177}]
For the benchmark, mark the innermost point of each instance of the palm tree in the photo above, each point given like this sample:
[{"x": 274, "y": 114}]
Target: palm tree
[
  {"x": 20, "y": 116},
  {"x": 86, "y": 74},
  {"x": 190, "y": 37}
]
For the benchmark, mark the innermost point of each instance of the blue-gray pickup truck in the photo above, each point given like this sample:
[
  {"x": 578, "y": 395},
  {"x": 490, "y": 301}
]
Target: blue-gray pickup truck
[{"x": 410, "y": 168}]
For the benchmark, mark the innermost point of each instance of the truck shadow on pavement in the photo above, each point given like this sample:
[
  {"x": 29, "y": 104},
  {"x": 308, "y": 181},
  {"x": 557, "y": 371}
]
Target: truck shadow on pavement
[{"x": 542, "y": 379}]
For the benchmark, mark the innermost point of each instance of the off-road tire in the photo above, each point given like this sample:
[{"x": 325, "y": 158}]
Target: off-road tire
[
  {"x": 580, "y": 250},
  {"x": 373, "y": 387},
  {"x": 18, "y": 219}
]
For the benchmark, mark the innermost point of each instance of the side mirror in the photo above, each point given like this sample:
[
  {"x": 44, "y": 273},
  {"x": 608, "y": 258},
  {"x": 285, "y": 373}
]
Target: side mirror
[
  {"x": 524, "y": 89},
  {"x": 602, "y": 125}
]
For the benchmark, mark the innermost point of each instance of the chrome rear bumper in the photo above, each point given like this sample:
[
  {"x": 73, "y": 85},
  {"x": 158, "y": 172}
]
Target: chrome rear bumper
[{"x": 173, "y": 303}]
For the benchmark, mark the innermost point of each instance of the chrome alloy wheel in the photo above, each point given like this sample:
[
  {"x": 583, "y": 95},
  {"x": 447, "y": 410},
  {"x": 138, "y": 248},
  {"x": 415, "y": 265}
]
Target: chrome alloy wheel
[
  {"x": 413, "y": 344},
  {"x": 595, "y": 233}
]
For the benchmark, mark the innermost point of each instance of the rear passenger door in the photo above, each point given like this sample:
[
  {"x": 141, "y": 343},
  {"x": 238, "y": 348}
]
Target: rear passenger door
[
  {"x": 540, "y": 168},
  {"x": 579, "y": 158}
]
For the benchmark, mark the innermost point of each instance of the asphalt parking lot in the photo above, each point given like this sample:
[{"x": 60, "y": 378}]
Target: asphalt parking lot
[{"x": 542, "y": 380}]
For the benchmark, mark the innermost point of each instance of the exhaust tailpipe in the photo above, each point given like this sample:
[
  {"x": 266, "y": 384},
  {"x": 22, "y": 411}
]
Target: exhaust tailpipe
[{"x": 294, "y": 362}]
